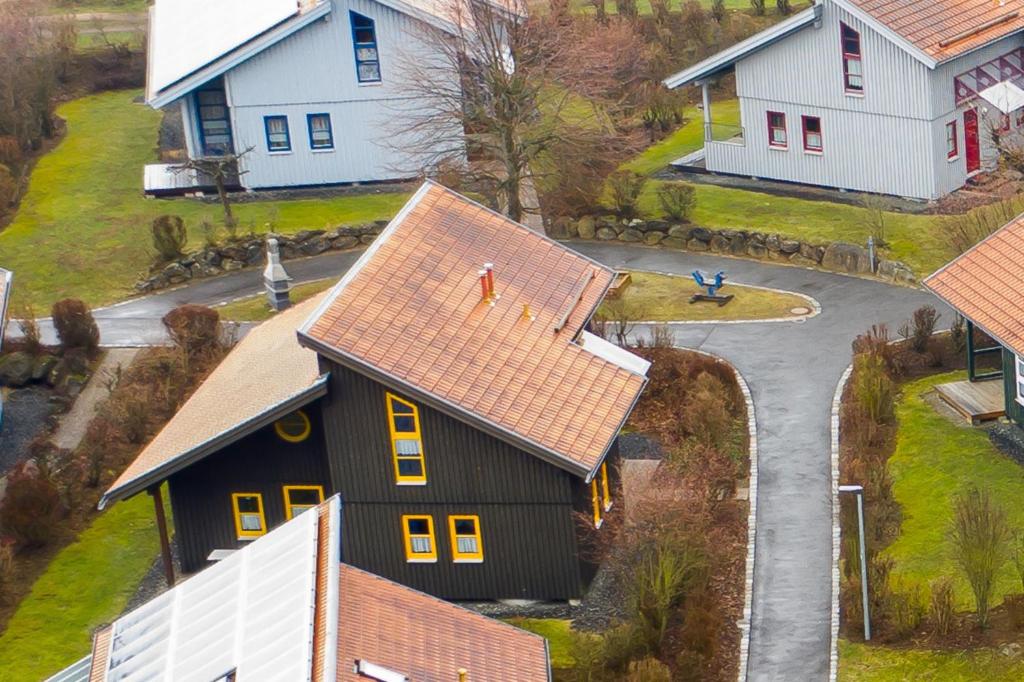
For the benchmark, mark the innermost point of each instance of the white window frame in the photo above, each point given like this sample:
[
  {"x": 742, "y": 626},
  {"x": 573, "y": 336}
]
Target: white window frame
[{"x": 1018, "y": 365}]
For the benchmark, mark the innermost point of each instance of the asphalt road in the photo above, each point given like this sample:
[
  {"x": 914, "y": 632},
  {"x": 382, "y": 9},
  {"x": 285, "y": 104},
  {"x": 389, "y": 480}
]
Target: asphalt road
[{"x": 792, "y": 369}]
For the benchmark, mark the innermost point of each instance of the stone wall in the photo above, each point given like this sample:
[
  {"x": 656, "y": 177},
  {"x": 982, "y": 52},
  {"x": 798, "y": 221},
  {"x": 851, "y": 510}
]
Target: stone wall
[
  {"x": 838, "y": 256},
  {"x": 250, "y": 251}
]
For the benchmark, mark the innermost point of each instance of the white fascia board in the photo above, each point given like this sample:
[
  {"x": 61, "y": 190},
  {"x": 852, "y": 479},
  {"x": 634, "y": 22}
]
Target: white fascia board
[
  {"x": 744, "y": 48},
  {"x": 883, "y": 30},
  {"x": 236, "y": 57}
]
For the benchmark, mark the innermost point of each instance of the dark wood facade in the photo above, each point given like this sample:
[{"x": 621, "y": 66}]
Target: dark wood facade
[
  {"x": 532, "y": 514},
  {"x": 1014, "y": 410},
  {"x": 258, "y": 463}
]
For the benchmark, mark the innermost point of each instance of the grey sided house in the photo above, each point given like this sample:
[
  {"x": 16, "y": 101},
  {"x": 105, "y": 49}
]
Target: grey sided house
[
  {"x": 5, "y": 297},
  {"x": 286, "y": 609},
  {"x": 446, "y": 388},
  {"x": 986, "y": 286},
  {"x": 895, "y": 97},
  {"x": 309, "y": 87}
]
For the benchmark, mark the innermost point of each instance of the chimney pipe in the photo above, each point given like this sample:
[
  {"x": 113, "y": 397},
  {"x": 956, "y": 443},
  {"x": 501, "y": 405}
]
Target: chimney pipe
[
  {"x": 463, "y": 675},
  {"x": 489, "y": 268},
  {"x": 484, "y": 292}
]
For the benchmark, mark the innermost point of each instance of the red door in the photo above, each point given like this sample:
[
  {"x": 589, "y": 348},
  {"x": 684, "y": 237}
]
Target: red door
[{"x": 971, "y": 146}]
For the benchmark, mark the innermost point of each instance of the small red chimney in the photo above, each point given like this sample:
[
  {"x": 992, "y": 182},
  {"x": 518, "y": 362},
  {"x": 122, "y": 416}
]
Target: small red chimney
[
  {"x": 484, "y": 289},
  {"x": 489, "y": 269}
]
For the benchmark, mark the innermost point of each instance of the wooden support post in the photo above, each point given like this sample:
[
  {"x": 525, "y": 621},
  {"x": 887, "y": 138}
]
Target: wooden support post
[
  {"x": 971, "y": 368},
  {"x": 706, "y": 101},
  {"x": 165, "y": 542}
]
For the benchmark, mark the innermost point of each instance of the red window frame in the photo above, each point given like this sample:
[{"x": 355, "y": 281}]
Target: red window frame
[
  {"x": 849, "y": 43},
  {"x": 821, "y": 138},
  {"x": 952, "y": 150},
  {"x": 772, "y": 127}
]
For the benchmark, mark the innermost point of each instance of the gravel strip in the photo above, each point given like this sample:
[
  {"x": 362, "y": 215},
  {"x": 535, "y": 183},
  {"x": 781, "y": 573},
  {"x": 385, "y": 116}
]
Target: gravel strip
[{"x": 25, "y": 413}]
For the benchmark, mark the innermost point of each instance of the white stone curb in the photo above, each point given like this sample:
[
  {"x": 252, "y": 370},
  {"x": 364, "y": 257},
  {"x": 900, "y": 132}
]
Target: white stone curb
[
  {"x": 836, "y": 405},
  {"x": 751, "y": 528},
  {"x": 812, "y": 303}
]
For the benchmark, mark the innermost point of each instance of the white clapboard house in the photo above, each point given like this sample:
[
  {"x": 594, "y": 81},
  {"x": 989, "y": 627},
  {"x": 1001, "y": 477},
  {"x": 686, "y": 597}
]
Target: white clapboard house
[
  {"x": 310, "y": 87},
  {"x": 897, "y": 97}
]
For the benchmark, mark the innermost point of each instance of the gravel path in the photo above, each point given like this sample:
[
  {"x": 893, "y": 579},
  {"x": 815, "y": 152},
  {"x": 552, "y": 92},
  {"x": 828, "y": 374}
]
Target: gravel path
[{"x": 25, "y": 413}]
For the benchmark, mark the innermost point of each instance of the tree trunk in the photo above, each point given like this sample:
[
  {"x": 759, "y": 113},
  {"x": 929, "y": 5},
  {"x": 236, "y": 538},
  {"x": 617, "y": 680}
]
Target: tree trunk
[{"x": 222, "y": 192}]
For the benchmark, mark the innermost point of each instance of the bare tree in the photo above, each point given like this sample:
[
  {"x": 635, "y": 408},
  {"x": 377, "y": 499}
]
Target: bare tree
[
  {"x": 981, "y": 544},
  {"x": 493, "y": 96},
  {"x": 222, "y": 171}
]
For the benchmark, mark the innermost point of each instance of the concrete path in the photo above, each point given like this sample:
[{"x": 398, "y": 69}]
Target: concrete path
[
  {"x": 792, "y": 370},
  {"x": 74, "y": 424}
]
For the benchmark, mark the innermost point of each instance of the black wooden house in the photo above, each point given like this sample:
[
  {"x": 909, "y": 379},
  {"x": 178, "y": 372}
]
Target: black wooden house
[{"x": 446, "y": 389}]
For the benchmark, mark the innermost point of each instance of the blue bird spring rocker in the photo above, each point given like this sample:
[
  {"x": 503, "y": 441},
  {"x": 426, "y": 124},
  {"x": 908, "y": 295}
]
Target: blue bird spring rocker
[{"x": 712, "y": 287}]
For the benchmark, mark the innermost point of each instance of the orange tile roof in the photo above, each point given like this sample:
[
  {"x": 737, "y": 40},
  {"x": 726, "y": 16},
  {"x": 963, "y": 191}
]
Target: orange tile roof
[
  {"x": 986, "y": 285},
  {"x": 427, "y": 639},
  {"x": 265, "y": 370},
  {"x": 411, "y": 313},
  {"x": 945, "y": 29}
]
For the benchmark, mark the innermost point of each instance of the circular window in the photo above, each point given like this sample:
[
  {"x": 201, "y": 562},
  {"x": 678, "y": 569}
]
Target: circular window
[{"x": 294, "y": 428}]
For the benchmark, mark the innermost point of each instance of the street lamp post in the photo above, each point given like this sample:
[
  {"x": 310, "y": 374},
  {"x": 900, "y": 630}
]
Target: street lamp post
[{"x": 858, "y": 490}]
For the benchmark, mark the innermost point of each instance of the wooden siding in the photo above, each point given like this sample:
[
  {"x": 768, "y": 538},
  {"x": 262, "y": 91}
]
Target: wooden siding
[
  {"x": 259, "y": 463},
  {"x": 891, "y": 140},
  {"x": 462, "y": 464},
  {"x": 1014, "y": 410},
  {"x": 314, "y": 72},
  {"x": 529, "y": 550}
]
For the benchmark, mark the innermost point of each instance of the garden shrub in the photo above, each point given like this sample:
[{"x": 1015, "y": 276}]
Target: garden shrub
[
  {"x": 8, "y": 188},
  {"x": 981, "y": 544},
  {"x": 75, "y": 325},
  {"x": 677, "y": 199},
  {"x": 648, "y": 670},
  {"x": 758, "y": 6},
  {"x": 30, "y": 510},
  {"x": 625, "y": 188},
  {"x": 942, "y": 606},
  {"x": 874, "y": 391},
  {"x": 169, "y": 236},
  {"x": 662, "y": 575},
  {"x": 6, "y": 567},
  {"x": 194, "y": 329},
  {"x": 958, "y": 334},
  {"x": 921, "y": 327}
]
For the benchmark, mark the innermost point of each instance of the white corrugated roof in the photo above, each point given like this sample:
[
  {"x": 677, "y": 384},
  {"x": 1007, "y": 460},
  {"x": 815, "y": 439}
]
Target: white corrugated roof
[
  {"x": 251, "y": 613},
  {"x": 189, "y": 34}
]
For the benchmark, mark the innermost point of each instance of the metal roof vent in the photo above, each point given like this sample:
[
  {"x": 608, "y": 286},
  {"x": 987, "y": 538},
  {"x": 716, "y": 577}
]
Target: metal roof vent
[{"x": 378, "y": 672}]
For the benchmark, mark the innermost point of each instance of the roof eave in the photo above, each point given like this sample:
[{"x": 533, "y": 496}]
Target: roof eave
[
  {"x": 726, "y": 58},
  {"x": 235, "y": 57},
  {"x": 161, "y": 472},
  {"x": 445, "y": 406}
]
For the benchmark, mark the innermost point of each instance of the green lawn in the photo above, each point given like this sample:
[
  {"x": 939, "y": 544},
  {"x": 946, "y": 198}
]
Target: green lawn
[
  {"x": 644, "y": 6},
  {"x": 90, "y": 41},
  {"x": 256, "y": 308},
  {"x": 86, "y": 585},
  {"x": 557, "y": 632},
  {"x": 860, "y": 663},
  {"x": 687, "y": 138},
  {"x": 664, "y": 298},
  {"x": 83, "y": 227},
  {"x": 101, "y": 6},
  {"x": 934, "y": 460}
]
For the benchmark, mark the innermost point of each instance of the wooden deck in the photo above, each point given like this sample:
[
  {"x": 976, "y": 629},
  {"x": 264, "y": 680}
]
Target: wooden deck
[{"x": 977, "y": 401}]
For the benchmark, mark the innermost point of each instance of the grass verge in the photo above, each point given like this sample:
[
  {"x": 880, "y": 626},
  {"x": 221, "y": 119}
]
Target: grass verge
[
  {"x": 934, "y": 460},
  {"x": 558, "y": 633},
  {"x": 666, "y": 298},
  {"x": 688, "y": 138},
  {"x": 83, "y": 227},
  {"x": 87, "y": 584},
  {"x": 860, "y": 663},
  {"x": 256, "y": 308}
]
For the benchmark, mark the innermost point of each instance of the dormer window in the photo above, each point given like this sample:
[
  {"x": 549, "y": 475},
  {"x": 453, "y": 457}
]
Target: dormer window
[{"x": 853, "y": 72}]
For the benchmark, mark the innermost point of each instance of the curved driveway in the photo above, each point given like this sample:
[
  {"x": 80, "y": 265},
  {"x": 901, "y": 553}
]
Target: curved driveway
[{"x": 792, "y": 369}]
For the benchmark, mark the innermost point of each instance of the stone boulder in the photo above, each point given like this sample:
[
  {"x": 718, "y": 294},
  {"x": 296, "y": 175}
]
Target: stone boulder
[
  {"x": 631, "y": 235},
  {"x": 16, "y": 369},
  {"x": 719, "y": 244},
  {"x": 697, "y": 245},
  {"x": 559, "y": 228},
  {"x": 607, "y": 234},
  {"x": 700, "y": 234},
  {"x": 896, "y": 271},
  {"x": 756, "y": 250},
  {"x": 680, "y": 232},
  {"x": 653, "y": 238},
  {"x": 789, "y": 246},
  {"x": 42, "y": 367},
  {"x": 674, "y": 242},
  {"x": 586, "y": 227},
  {"x": 846, "y": 257},
  {"x": 345, "y": 241},
  {"x": 738, "y": 244}
]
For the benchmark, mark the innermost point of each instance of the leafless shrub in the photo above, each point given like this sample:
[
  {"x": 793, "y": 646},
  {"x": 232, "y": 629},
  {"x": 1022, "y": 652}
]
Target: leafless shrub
[
  {"x": 981, "y": 537},
  {"x": 942, "y": 607},
  {"x": 962, "y": 231}
]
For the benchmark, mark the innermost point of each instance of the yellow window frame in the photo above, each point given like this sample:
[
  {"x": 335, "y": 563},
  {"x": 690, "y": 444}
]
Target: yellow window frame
[
  {"x": 595, "y": 501},
  {"x": 241, "y": 532},
  {"x": 289, "y": 507},
  {"x": 415, "y": 434},
  {"x": 606, "y": 492},
  {"x": 466, "y": 557},
  {"x": 419, "y": 557},
  {"x": 287, "y": 437}
]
